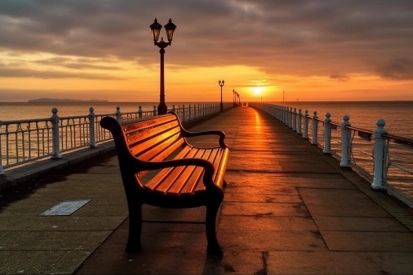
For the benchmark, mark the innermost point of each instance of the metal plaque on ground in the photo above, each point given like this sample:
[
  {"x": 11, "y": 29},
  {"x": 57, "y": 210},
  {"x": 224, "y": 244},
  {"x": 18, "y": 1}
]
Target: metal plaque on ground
[{"x": 65, "y": 208}]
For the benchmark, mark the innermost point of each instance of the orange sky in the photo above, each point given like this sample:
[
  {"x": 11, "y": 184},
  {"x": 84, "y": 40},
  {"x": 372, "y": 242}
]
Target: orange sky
[{"x": 312, "y": 50}]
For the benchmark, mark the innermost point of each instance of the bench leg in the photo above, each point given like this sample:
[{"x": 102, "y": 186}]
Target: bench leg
[
  {"x": 214, "y": 248},
  {"x": 135, "y": 229}
]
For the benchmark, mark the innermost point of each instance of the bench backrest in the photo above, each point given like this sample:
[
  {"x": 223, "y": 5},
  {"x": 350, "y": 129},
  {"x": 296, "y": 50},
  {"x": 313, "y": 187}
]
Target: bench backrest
[{"x": 148, "y": 139}]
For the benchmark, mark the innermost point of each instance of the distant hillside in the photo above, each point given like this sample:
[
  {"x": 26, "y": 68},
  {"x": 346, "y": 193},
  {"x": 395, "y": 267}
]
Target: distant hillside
[{"x": 64, "y": 100}]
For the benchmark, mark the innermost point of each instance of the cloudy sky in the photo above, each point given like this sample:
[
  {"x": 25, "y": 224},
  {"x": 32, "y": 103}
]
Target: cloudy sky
[{"x": 305, "y": 49}]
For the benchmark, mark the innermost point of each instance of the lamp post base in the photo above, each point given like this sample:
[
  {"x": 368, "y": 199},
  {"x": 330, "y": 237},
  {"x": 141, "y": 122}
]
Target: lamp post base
[{"x": 162, "y": 108}]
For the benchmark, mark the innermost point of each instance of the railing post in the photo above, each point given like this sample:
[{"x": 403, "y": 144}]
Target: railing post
[
  {"x": 294, "y": 120},
  {"x": 140, "y": 112},
  {"x": 194, "y": 115},
  {"x": 345, "y": 143},
  {"x": 154, "y": 112},
  {"x": 183, "y": 112},
  {"x": 327, "y": 134},
  {"x": 314, "y": 129},
  {"x": 299, "y": 121},
  {"x": 2, "y": 173},
  {"x": 290, "y": 117},
  {"x": 173, "y": 108},
  {"x": 305, "y": 125},
  {"x": 118, "y": 114},
  {"x": 286, "y": 115},
  {"x": 189, "y": 112},
  {"x": 272, "y": 110},
  {"x": 55, "y": 135},
  {"x": 281, "y": 111},
  {"x": 92, "y": 128},
  {"x": 380, "y": 152},
  {"x": 282, "y": 114}
]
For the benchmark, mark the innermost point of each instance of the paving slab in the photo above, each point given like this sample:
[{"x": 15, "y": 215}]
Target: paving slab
[
  {"x": 41, "y": 261},
  {"x": 267, "y": 223},
  {"x": 52, "y": 240},
  {"x": 287, "y": 209},
  {"x": 265, "y": 240},
  {"x": 329, "y": 202},
  {"x": 359, "y": 224},
  {"x": 368, "y": 241},
  {"x": 303, "y": 262}
]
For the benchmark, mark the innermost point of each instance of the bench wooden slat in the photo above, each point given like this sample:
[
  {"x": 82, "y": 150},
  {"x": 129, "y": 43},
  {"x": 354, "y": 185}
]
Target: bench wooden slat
[
  {"x": 143, "y": 134},
  {"x": 154, "y": 149},
  {"x": 212, "y": 155},
  {"x": 195, "y": 183},
  {"x": 187, "y": 184},
  {"x": 180, "y": 182},
  {"x": 150, "y": 137},
  {"x": 163, "y": 155},
  {"x": 220, "y": 172},
  {"x": 171, "y": 180},
  {"x": 141, "y": 124},
  {"x": 156, "y": 180}
]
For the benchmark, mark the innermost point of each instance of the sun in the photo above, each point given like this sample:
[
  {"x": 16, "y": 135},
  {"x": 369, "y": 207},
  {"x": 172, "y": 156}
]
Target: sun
[{"x": 257, "y": 90}]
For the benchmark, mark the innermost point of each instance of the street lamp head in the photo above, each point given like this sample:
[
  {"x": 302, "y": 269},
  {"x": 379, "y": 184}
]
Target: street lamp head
[
  {"x": 221, "y": 82},
  {"x": 156, "y": 30},
  {"x": 170, "y": 29}
]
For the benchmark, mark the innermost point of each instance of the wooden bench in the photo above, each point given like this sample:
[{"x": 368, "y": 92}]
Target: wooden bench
[{"x": 159, "y": 167}]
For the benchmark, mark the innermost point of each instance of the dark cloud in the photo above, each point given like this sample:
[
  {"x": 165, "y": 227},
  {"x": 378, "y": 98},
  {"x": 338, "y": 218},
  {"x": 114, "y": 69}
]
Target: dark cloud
[
  {"x": 79, "y": 64},
  {"x": 16, "y": 72},
  {"x": 339, "y": 77},
  {"x": 398, "y": 69},
  {"x": 304, "y": 37}
]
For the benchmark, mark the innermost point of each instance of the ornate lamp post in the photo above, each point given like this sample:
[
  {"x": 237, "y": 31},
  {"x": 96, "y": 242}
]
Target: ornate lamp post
[
  {"x": 221, "y": 83},
  {"x": 233, "y": 98},
  {"x": 156, "y": 30}
]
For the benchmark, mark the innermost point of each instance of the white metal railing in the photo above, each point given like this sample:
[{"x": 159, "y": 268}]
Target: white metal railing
[
  {"x": 385, "y": 160},
  {"x": 23, "y": 141}
]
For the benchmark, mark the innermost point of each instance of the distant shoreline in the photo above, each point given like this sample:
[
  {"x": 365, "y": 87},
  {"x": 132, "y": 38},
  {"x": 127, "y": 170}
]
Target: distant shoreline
[{"x": 43, "y": 100}]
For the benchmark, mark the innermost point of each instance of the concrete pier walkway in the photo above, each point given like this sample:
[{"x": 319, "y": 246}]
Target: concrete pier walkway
[{"x": 288, "y": 209}]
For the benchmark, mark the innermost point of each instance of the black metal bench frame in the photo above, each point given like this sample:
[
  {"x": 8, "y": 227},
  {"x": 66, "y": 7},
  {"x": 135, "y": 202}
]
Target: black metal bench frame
[{"x": 185, "y": 176}]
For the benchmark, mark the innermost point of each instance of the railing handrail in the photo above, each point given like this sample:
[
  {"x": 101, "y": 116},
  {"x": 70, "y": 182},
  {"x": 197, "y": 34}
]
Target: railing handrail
[
  {"x": 399, "y": 139},
  {"x": 8, "y": 122}
]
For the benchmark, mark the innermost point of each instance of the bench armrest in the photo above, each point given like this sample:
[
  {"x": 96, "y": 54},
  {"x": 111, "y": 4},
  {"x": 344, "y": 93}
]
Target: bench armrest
[
  {"x": 187, "y": 133},
  {"x": 221, "y": 135}
]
